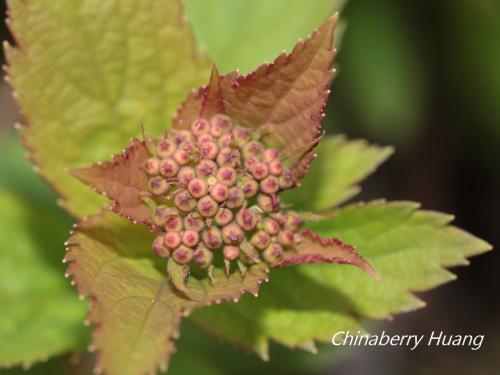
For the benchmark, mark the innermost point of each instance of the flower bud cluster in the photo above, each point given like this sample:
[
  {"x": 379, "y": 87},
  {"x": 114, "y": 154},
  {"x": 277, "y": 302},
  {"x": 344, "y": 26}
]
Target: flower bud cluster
[{"x": 217, "y": 192}]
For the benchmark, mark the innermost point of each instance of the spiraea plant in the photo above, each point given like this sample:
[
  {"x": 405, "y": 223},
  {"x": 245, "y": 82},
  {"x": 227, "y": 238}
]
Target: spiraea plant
[{"x": 214, "y": 195}]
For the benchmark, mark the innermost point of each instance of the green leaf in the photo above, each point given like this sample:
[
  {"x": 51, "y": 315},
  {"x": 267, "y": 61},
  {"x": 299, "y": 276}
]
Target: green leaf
[
  {"x": 87, "y": 74},
  {"x": 240, "y": 34},
  {"x": 39, "y": 314},
  {"x": 135, "y": 307},
  {"x": 409, "y": 249},
  {"x": 333, "y": 175}
]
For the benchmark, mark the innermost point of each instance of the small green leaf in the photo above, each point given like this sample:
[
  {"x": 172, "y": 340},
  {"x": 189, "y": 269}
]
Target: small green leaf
[
  {"x": 39, "y": 315},
  {"x": 135, "y": 306},
  {"x": 333, "y": 175},
  {"x": 409, "y": 249},
  {"x": 88, "y": 73}
]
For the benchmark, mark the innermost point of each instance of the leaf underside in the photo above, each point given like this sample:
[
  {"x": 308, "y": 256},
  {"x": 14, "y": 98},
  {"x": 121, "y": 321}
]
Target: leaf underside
[
  {"x": 86, "y": 74},
  {"x": 134, "y": 306}
]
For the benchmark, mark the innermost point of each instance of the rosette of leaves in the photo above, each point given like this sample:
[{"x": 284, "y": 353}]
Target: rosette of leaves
[{"x": 216, "y": 194}]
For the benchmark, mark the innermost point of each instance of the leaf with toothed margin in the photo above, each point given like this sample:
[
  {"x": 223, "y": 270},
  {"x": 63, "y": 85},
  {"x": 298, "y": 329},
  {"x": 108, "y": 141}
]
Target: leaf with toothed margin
[
  {"x": 134, "y": 306},
  {"x": 284, "y": 100},
  {"x": 409, "y": 248},
  {"x": 39, "y": 314},
  {"x": 332, "y": 178},
  {"x": 314, "y": 248},
  {"x": 123, "y": 181},
  {"x": 87, "y": 73}
]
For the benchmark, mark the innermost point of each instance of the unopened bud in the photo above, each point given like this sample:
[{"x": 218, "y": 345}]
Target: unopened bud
[
  {"x": 212, "y": 237},
  {"x": 184, "y": 202},
  {"x": 249, "y": 186},
  {"x": 236, "y": 198},
  {"x": 185, "y": 175},
  {"x": 286, "y": 179},
  {"x": 205, "y": 168},
  {"x": 231, "y": 252},
  {"x": 165, "y": 148},
  {"x": 270, "y": 185},
  {"x": 183, "y": 136},
  {"x": 224, "y": 216},
  {"x": 293, "y": 221},
  {"x": 199, "y": 127},
  {"x": 209, "y": 150},
  {"x": 226, "y": 140},
  {"x": 246, "y": 219},
  {"x": 268, "y": 203},
  {"x": 241, "y": 135},
  {"x": 202, "y": 256},
  {"x": 173, "y": 223},
  {"x": 193, "y": 221},
  {"x": 161, "y": 214},
  {"x": 158, "y": 186},
  {"x": 252, "y": 148},
  {"x": 229, "y": 157},
  {"x": 152, "y": 166},
  {"x": 259, "y": 170},
  {"x": 182, "y": 254},
  {"x": 159, "y": 247},
  {"x": 270, "y": 154},
  {"x": 168, "y": 167},
  {"x": 250, "y": 162},
  {"x": 190, "y": 238},
  {"x": 275, "y": 167},
  {"x": 227, "y": 176},
  {"x": 273, "y": 253},
  {"x": 221, "y": 122},
  {"x": 260, "y": 240},
  {"x": 270, "y": 226},
  {"x": 232, "y": 234},
  {"x": 198, "y": 187},
  {"x": 181, "y": 157},
  {"x": 207, "y": 207},
  {"x": 219, "y": 192},
  {"x": 172, "y": 240},
  {"x": 204, "y": 138},
  {"x": 285, "y": 237}
]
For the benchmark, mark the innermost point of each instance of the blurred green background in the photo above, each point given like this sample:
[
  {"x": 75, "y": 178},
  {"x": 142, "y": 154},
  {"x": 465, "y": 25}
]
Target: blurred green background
[{"x": 423, "y": 76}]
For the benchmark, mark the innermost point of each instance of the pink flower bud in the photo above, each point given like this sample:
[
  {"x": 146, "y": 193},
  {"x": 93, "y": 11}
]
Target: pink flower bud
[
  {"x": 190, "y": 238},
  {"x": 229, "y": 157},
  {"x": 236, "y": 198},
  {"x": 172, "y": 240},
  {"x": 252, "y": 148},
  {"x": 260, "y": 240},
  {"x": 219, "y": 192},
  {"x": 182, "y": 136},
  {"x": 287, "y": 180},
  {"x": 221, "y": 122},
  {"x": 275, "y": 167},
  {"x": 231, "y": 252},
  {"x": 249, "y": 186},
  {"x": 165, "y": 148},
  {"x": 185, "y": 175},
  {"x": 293, "y": 221},
  {"x": 182, "y": 255},
  {"x": 184, "y": 202},
  {"x": 199, "y": 127},
  {"x": 273, "y": 253},
  {"x": 241, "y": 135},
  {"x": 285, "y": 237},
  {"x": 268, "y": 203},
  {"x": 204, "y": 138},
  {"x": 246, "y": 219},
  {"x": 207, "y": 207},
  {"x": 168, "y": 167},
  {"x": 173, "y": 223},
  {"x": 209, "y": 150},
  {"x": 232, "y": 234},
  {"x": 193, "y": 221},
  {"x": 227, "y": 176},
  {"x": 250, "y": 162},
  {"x": 205, "y": 168},
  {"x": 158, "y": 186},
  {"x": 224, "y": 216},
  {"x": 271, "y": 226},
  {"x": 202, "y": 256},
  {"x": 159, "y": 247},
  {"x": 226, "y": 140},
  {"x": 162, "y": 213},
  {"x": 181, "y": 157},
  {"x": 212, "y": 237},
  {"x": 270, "y": 185},
  {"x": 198, "y": 187},
  {"x": 259, "y": 170},
  {"x": 270, "y": 154},
  {"x": 152, "y": 166},
  {"x": 189, "y": 147}
]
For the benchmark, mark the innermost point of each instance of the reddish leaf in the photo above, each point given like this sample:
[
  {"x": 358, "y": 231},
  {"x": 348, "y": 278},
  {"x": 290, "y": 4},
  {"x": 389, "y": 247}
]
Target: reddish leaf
[
  {"x": 134, "y": 305},
  {"x": 123, "y": 181},
  {"x": 317, "y": 249}
]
